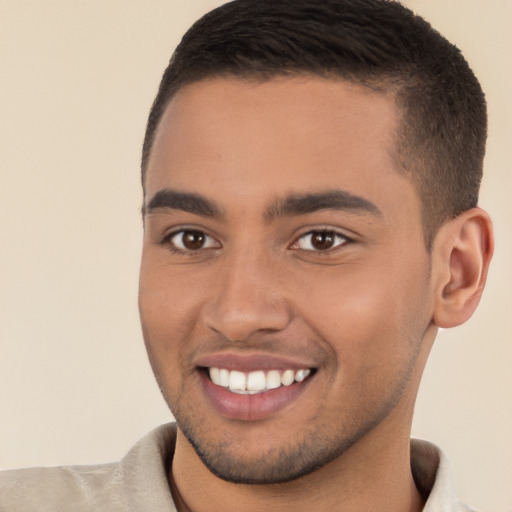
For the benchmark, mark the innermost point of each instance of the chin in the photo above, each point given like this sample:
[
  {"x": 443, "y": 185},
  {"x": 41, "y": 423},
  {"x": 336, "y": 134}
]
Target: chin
[{"x": 230, "y": 460}]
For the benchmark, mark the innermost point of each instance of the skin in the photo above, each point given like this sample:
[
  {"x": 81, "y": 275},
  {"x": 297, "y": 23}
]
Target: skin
[{"x": 363, "y": 313}]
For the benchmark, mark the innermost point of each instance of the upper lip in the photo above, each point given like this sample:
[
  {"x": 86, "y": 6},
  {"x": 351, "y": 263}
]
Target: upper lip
[{"x": 251, "y": 362}]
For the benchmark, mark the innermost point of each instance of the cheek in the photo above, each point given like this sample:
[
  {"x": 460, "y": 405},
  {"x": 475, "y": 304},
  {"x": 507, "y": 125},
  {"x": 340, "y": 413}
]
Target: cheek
[
  {"x": 368, "y": 312},
  {"x": 168, "y": 293},
  {"x": 167, "y": 308}
]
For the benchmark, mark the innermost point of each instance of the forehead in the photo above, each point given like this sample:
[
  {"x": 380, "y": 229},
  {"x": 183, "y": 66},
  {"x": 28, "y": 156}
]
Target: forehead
[{"x": 253, "y": 140}]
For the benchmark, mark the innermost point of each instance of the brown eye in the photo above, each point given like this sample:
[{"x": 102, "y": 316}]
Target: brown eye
[
  {"x": 192, "y": 240},
  {"x": 320, "y": 241}
]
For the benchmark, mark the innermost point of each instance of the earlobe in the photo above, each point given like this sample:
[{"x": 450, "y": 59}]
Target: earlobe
[{"x": 461, "y": 255}]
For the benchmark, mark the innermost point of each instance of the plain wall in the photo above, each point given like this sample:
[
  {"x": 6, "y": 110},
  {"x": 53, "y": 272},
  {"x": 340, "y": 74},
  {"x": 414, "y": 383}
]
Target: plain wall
[{"x": 76, "y": 82}]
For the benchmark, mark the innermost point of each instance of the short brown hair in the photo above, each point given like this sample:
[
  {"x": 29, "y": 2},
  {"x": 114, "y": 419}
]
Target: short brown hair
[{"x": 440, "y": 142}]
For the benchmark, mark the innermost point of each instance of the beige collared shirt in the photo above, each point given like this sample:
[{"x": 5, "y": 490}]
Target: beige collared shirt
[{"x": 138, "y": 482}]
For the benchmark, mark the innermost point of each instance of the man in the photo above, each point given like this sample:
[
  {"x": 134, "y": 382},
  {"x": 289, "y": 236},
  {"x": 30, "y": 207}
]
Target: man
[{"x": 310, "y": 173}]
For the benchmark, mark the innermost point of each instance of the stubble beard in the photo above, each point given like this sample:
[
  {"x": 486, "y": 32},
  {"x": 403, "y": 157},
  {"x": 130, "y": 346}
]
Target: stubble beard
[
  {"x": 316, "y": 448},
  {"x": 276, "y": 466},
  {"x": 318, "y": 445}
]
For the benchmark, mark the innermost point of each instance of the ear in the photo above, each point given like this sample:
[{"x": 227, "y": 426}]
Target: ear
[{"x": 461, "y": 255}]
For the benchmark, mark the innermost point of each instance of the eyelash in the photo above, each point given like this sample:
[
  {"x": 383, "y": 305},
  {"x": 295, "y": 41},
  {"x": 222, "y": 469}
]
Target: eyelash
[
  {"x": 168, "y": 240},
  {"x": 338, "y": 239}
]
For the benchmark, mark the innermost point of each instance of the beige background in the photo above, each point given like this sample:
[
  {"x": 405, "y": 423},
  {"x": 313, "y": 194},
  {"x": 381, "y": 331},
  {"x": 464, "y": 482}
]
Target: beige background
[{"x": 76, "y": 81}]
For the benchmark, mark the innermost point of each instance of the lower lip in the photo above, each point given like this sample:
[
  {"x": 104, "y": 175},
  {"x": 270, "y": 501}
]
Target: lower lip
[{"x": 251, "y": 407}]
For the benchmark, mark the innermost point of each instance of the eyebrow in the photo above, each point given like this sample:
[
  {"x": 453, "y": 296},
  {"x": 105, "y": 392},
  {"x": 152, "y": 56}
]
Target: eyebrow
[
  {"x": 293, "y": 205},
  {"x": 184, "y": 201},
  {"x": 302, "y": 204}
]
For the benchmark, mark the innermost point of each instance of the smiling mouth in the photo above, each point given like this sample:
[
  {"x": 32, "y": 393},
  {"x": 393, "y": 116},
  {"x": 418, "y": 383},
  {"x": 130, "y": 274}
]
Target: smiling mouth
[{"x": 255, "y": 382}]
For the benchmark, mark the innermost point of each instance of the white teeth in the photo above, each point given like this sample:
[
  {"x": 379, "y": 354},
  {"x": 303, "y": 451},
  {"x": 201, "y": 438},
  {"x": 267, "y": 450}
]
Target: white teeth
[
  {"x": 223, "y": 378},
  {"x": 287, "y": 378},
  {"x": 273, "y": 379},
  {"x": 214, "y": 375},
  {"x": 237, "y": 381},
  {"x": 255, "y": 382},
  {"x": 300, "y": 375}
]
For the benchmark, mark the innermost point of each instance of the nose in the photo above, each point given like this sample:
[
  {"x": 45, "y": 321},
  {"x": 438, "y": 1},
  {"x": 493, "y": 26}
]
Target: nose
[{"x": 249, "y": 298}]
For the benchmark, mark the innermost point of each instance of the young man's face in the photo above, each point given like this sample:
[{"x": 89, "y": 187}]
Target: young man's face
[{"x": 282, "y": 245}]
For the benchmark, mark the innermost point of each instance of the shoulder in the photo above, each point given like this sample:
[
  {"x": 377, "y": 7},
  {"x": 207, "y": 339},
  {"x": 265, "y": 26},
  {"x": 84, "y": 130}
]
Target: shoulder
[
  {"x": 44, "y": 489},
  {"x": 137, "y": 482}
]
